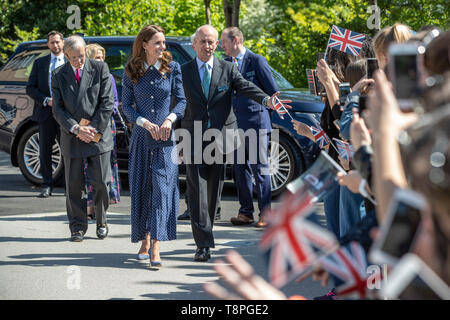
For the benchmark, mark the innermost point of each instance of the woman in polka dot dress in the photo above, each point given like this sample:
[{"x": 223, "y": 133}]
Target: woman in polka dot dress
[{"x": 151, "y": 84}]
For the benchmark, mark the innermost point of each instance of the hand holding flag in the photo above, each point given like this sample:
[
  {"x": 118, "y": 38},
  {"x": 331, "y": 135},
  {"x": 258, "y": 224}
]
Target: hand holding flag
[
  {"x": 321, "y": 137},
  {"x": 278, "y": 105},
  {"x": 345, "y": 149}
]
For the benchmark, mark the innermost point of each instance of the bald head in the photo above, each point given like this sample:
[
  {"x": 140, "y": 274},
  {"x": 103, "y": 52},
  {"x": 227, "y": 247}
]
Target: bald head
[{"x": 205, "y": 42}]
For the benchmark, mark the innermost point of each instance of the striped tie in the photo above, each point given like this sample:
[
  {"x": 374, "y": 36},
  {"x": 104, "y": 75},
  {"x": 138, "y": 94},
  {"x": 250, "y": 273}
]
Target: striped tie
[{"x": 235, "y": 61}]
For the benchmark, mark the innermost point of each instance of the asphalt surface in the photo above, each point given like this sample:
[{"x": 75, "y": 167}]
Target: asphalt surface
[{"x": 37, "y": 260}]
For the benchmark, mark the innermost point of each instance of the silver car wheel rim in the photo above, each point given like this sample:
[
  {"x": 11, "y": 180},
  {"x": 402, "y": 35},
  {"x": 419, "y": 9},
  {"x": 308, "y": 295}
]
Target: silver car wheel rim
[
  {"x": 31, "y": 156},
  {"x": 279, "y": 165}
]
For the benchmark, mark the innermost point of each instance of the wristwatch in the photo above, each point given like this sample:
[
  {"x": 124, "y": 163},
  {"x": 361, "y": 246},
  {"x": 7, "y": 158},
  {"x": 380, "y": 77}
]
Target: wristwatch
[
  {"x": 264, "y": 102},
  {"x": 76, "y": 130}
]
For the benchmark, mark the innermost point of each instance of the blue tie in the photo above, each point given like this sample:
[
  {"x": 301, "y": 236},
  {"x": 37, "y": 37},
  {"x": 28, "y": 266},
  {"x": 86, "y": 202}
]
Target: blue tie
[
  {"x": 52, "y": 67},
  {"x": 206, "y": 82}
]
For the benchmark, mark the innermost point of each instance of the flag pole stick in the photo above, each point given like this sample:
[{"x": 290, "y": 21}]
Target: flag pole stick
[{"x": 326, "y": 49}]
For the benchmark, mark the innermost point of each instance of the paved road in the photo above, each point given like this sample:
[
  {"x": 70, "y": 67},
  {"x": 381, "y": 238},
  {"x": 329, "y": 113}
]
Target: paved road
[{"x": 38, "y": 262}]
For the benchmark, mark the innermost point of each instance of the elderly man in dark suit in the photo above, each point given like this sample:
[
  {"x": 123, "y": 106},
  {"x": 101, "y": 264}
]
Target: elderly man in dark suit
[
  {"x": 83, "y": 102},
  {"x": 208, "y": 85},
  {"x": 38, "y": 88},
  {"x": 251, "y": 116}
]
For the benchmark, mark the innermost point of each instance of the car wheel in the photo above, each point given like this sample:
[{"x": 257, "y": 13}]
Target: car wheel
[
  {"x": 28, "y": 158},
  {"x": 285, "y": 164}
]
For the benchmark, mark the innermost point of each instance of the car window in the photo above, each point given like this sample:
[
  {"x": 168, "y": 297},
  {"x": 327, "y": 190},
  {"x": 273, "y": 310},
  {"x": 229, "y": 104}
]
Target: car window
[
  {"x": 281, "y": 81},
  {"x": 19, "y": 67}
]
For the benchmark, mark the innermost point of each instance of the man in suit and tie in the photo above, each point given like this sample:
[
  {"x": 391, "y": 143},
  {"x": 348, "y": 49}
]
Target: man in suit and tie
[
  {"x": 38, "y": 88},
  {"x": 83, "y": 102},
  {"x": 251, "y": 115},
  {"x": 208, "y": 85}
]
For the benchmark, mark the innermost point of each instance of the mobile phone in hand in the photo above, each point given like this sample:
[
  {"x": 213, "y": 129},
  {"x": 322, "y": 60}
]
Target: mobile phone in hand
[
  {"x": 344, "y": 90},
  {"x": 320, "y": 55},
  {"x": 400, "y": 227},
  {"x": 405, "y": 72},
  {"x": 362, "y": 104},
  {"x": 371, "y": 67},
  {"x": 412, "y": 279}
]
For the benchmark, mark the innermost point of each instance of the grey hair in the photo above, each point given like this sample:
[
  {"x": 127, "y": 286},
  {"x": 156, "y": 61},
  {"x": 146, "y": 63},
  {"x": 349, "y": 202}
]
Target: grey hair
[
  {"x": 74, "y": 42},
  {"x": 198, "y": 30}
]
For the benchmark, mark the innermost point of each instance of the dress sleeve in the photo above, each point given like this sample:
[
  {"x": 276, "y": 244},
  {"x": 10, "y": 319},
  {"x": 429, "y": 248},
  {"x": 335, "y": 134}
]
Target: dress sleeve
[
  {"x": 128, "y": 100},
  {"x": 178, "y": 98}
]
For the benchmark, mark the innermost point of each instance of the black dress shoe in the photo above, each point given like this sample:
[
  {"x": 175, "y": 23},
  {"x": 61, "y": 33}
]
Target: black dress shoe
[
  {"x": 102, "y": 231},
  {"x": 202, "y": 254},
  {"x": 77, "y": 236},
  {"x": 45, "y": 192},
  {"x": 185, "y": 216}
]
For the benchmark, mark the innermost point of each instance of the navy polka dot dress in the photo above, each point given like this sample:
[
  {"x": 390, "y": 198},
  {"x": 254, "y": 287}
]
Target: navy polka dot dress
[{"x": 152, "y": 166}]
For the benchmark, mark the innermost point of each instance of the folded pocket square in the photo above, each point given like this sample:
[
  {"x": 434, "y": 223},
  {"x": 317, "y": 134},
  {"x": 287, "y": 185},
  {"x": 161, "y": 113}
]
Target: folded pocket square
[{"x": 222, "y": 88}]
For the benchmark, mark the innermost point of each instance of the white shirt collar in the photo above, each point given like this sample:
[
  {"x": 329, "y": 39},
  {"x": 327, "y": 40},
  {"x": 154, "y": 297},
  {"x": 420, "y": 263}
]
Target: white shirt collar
[
  {"x": 60, "y": 56},
  {"x": 241, "y": 54},
  {"x": 75, "y": 70},
  {"x": 200, "y": 63},
  {"x": 157, "y": 65}
]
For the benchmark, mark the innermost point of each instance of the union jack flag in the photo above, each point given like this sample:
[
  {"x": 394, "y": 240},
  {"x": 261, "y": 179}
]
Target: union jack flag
[
  {"x": 346, "y": 40},
  {"x": 279, "y": 107},
  {"x": 349, "y": 263},
  {"x": 345, "y": 149},
  {"x": 321, "y": 137},
  {"x": 311, "y": 81},
  {"x": 293, "y": 238}
]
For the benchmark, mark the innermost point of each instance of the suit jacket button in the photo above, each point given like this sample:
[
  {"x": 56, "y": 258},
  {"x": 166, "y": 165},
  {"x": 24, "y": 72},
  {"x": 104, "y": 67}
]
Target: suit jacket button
[
  {"x": 151, "y": 97},
  {"x": 151, "y": 82}
]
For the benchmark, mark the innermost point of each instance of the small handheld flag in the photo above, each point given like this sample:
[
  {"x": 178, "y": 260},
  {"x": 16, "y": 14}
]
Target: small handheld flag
[
  {"x": 345, "y": 149},
  {"x": 294, "y": 240},
  {"x": 345, "y": 40},
  {"x": 319, "y": 134},
  {"x": 280, "y": 108},
  {"x": 349, "y": 264}
]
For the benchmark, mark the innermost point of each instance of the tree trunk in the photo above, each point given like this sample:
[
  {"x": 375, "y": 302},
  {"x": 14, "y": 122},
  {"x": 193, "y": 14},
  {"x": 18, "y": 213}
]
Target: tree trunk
[
  {"x": 231, "y": 10},
  {"x": 235, "y": 19},
  {"x": 207, "y": 11},
  {"x": 228, "y": 12}
]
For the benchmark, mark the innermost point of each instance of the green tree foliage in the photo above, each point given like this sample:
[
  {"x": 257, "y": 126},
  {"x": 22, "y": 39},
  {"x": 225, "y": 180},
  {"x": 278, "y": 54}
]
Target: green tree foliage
[
  {"x": 290, "y": 32},
  {"x": 23, "y": 20},
  {"x": 287, "y": 32}
]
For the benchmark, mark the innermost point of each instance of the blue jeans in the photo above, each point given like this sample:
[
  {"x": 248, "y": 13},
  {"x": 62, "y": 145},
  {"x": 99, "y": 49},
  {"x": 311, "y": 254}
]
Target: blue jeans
[
  {"x": 331, "y": 208},
  {"x": 351, "y": 210}
]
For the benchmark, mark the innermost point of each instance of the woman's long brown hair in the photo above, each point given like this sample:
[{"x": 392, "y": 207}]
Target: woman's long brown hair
[{"x": 135, "y": 69}]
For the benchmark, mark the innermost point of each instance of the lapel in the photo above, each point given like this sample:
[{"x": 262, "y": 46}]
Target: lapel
[
  {"x": 69, "y": 76},
  {"x": 46, "y": 66},
  {"x": 86, "y": 80},
  {"x": 215, "y": 76},
  {"x": 245, "y": 62}
]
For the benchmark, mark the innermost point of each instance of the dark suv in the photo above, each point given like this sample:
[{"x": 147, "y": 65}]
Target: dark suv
[{"x": 19, "y": 135}]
